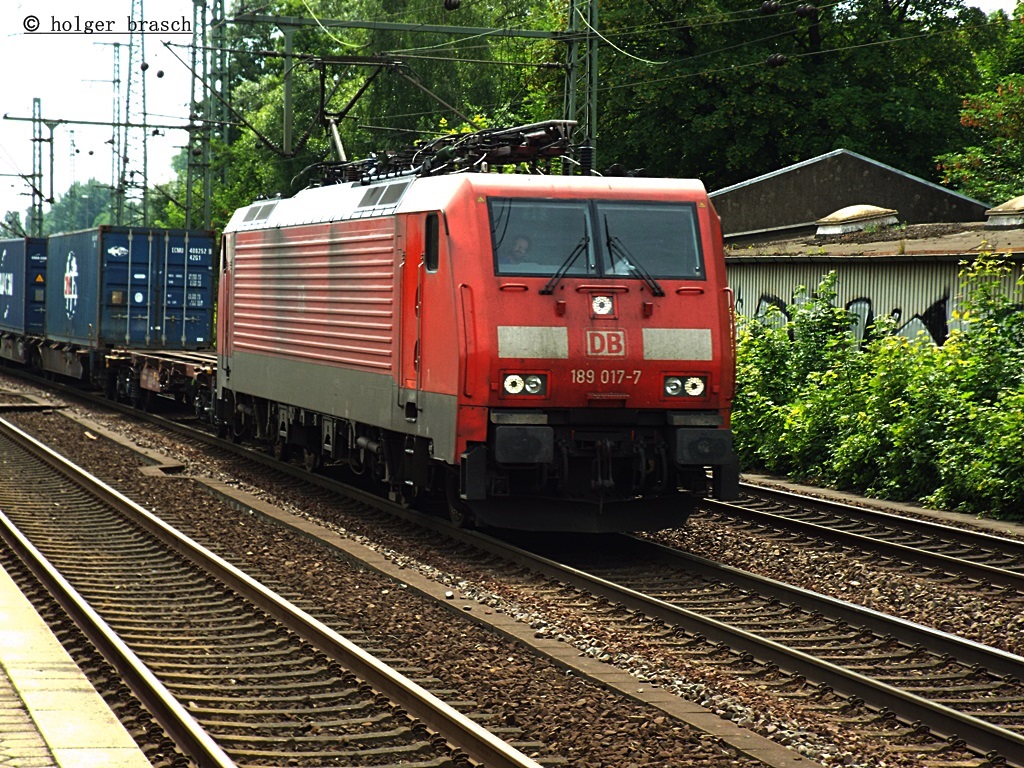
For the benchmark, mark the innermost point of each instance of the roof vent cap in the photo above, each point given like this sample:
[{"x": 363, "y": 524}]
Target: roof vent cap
[
  {"x": 1009, "y": 214},
  {"x": 856, "y": 218}
]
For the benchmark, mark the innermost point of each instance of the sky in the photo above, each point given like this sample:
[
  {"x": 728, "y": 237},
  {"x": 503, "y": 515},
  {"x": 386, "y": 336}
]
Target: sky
[{"x": 71, "y": 72}]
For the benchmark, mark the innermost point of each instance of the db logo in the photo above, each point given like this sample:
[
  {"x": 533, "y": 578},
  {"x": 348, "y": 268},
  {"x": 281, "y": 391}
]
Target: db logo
[{"x": 606, "y": 344}]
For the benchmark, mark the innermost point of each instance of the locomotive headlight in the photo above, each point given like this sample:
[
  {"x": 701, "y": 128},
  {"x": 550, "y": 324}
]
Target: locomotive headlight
[
  {"x": 685, "y": 386},
  {"x": 602, "y": 305},
  {"x": 525, "y": 384},
  {"x": 694, "y": 386},
  {"x": 535, "y": 385},
  {"x": 514, "y": 384}
]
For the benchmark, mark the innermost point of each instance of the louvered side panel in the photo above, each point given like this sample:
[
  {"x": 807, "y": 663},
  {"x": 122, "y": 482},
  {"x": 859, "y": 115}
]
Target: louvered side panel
[{"x": 320, "y": 293}]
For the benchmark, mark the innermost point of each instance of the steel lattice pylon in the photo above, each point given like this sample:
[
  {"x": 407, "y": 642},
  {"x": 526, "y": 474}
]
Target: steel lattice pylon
[
  {"x": 133, "y": 182},
  {"x": 116, "y": 153},
  {"x": 209, "y": 103},
  {"x": 581, "y": 74},
  {"x": 35, "y": 223}
]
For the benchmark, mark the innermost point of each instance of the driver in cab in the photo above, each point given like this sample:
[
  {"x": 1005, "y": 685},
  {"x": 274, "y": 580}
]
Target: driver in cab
[{"x": 519, "y": 255}]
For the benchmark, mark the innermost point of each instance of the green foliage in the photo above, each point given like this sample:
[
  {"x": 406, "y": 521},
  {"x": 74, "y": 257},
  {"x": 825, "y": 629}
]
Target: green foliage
[
  {"x": 901, "y": 418},
  {"x": 386, "y": 88},
  {"x": 992, "y": 169},
  {"x": 684, "y": 88},
  {"x": 83, "y": 206},
  {"x": 882, "y": 79},
  {"x": 775, "y": 363},
  {"x": 12, "y": 226},
  {"x": 763, "y": 390}
]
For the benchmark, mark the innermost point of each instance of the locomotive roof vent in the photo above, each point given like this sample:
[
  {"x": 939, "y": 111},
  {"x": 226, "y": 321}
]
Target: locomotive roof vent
[
  {"x": 383, "y": 195},
  {"x": 1009, "y": 214},
  {"x": 856, "y": 218},
  {"x": 258, "y": 212}
]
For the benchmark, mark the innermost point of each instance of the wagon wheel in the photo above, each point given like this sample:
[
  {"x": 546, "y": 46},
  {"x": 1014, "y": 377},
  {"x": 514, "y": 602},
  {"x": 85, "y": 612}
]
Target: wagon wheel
[
  {"x": 200, "y": 403},
  {"x": 142, "y": 399},
  {"x": 458, "y": 510},
  {"x": 110, "y": 387},
  {"x": 311, "y": 460},
  {"x": 279, "y": 449}
]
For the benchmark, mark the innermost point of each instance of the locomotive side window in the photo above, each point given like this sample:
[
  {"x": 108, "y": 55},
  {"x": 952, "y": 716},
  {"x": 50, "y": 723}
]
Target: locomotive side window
[
  {"x": 431, "y": 246},
  {"x": 538, "y": 237},
  {"x": 662, "y": 239}
]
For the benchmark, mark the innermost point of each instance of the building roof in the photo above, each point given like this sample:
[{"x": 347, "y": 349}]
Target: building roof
[
  {"x": 910, "y": 242},
  {"x": 789, "y": 201}
]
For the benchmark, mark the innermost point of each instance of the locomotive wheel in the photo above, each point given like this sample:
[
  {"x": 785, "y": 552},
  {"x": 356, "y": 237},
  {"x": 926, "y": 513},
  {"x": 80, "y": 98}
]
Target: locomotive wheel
[
  {"x": 458, "y": 510},
  {"x": 460, "y": 515},
  {"x": 238, "y": 424},
  {"x": 279, "y": 450}
]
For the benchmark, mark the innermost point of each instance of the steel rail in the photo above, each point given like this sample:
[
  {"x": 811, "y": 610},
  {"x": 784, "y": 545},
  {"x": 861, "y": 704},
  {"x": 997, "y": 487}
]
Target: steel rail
[
  {"x": 993, "y": 660},
  {"x": 937, "y": 530},
  {"x": 935, "y": 560},
  {"x": 175, "y": 719},
  {"x": 979, "y": 735},
  {"x": 478, "y": 743}
]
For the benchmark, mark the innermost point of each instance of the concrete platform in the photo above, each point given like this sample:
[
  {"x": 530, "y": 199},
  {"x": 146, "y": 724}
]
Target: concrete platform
[{"x": 50, "y": 715}]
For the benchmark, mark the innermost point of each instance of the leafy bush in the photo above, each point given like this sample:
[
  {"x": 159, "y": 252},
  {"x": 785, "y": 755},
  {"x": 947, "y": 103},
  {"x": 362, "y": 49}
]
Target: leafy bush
[{"x": 899, "y": 418}]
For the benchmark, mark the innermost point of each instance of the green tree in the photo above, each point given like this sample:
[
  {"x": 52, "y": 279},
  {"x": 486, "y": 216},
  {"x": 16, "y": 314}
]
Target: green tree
[
  {"x": 992, "y": 167},
  {"x": 988, "y": 164},
  {"x": 83, "y": 206},
  {"x": 412, "y": 76},
  {"x": 12, "y": 226},
  {"x": 880, "y": 78}
]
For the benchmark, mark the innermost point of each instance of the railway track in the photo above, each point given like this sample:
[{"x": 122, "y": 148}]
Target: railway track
[
  {"x": 210, "y": 650},
  {"x": 960, "y": 690},
  {"x": 917, "y": 677},
  {"x": 960, "y": 552}
]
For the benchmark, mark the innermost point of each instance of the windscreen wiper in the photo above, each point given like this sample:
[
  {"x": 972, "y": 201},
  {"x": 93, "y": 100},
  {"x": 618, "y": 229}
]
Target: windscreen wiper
[
  {"x": 556, "y": 278},
  {"x": 617, "y": 248}
]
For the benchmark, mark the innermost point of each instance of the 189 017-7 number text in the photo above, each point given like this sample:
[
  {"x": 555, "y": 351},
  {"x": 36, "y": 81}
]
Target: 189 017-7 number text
[{"x": 604, "y": 376}]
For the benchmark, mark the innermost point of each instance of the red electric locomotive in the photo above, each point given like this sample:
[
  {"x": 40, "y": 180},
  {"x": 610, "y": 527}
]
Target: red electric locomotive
[{"x": 552, "y": 352}]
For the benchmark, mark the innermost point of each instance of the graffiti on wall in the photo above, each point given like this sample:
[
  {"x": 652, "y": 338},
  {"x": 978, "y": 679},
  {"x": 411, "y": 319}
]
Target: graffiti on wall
[{"x": 930, "y": 319}]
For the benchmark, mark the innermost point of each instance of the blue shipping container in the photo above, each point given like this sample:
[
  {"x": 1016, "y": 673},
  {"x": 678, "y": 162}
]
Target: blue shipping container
[
  {"x": 23, "y": 286},
  {"x": 132, "y": 287}
]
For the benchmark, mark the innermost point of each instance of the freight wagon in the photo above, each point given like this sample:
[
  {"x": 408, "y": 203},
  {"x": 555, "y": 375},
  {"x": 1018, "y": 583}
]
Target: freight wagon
[{"x": 128, "y": 309}]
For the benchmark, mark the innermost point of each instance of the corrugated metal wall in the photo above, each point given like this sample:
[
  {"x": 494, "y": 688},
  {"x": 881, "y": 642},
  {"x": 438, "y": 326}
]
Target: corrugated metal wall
[{"x": 921, "y": 295}]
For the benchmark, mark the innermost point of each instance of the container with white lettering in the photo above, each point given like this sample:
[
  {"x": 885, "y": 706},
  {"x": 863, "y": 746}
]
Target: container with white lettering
[{"x": 132, "y": 287}]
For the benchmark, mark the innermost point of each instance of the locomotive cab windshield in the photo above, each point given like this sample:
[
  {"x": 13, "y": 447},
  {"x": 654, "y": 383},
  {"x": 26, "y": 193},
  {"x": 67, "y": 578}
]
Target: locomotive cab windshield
[{"x": 643, "y": 240}]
